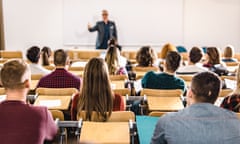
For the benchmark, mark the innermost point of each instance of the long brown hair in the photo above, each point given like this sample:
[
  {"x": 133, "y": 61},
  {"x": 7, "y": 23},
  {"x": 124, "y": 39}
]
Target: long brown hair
[
  {"x": 112, "y": 59},
  {"x": 96, "y": 94},
  {"x": 146, "y": 56},
  {"x": 46, "y": 53},
  {"x": 213, "y": 55}
]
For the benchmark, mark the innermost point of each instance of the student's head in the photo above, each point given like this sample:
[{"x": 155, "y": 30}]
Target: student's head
[
  {"x": 228, "y": 52},
  {"x": 60, "y": 57},
  {"x": 205, "y": 87},
  {"x": 112, "y": 59},
  {"x": 146, "y": 56},
  {"x": 46, "y": 53},
  {"x": 15, "y": 74},
  {"x": 105, "y": 15},
  {"x": 213, "y": 55},
  {"x": 33, "y": 54},
  {"x": 96, "y": 94},
  {"x": 172, "y": 61},
  {"x": 195, "y": 55},
  {"x": 166, "y": 48}
]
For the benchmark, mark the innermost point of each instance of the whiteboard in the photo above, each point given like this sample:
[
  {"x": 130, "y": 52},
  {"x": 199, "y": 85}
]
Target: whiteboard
[{"x": 138, "y": 22}]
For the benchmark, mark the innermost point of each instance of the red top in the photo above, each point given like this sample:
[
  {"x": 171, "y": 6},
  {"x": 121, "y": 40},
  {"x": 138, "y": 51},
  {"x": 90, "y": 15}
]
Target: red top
[
  {"x": 60, "y": 78},
  {"x": 118, "y": 105},
  {"x": 21, "y": 123}
]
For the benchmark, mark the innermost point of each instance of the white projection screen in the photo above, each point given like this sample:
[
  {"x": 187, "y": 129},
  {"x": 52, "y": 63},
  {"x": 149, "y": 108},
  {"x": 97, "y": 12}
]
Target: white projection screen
[{"x": 139, "y": 22}]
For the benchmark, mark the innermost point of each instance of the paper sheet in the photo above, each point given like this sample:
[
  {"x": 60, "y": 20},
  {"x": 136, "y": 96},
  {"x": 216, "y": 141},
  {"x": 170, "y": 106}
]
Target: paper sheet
[{"x": 50, "y": 103}]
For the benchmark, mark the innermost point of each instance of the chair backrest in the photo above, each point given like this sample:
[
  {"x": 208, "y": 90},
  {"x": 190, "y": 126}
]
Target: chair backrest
[
  {"x": 158, "y": 92},
  {"x": 76, "y": 68},
  {"x": 144, "y": 69},
  {"x": 11, "y": 54},
  {"x": 2, "y": 91},
  {"x": 83, "y": 55},
  {"x": 50, "y": 67},
  {"x": 116, "y": 116},
  {"x": 118, "y": 77},
  {"x": 238, "y": 115},
  {"x": 237, "y": 56},
  {"x": 57, "y": 114},
  {"x": 129, "y": 54},
  {"x": 156, "y": 113},
  {"x": 184, "y": 56},
  {"x": 56, "y": 91},
  {"x": 186, "y": 77},
  {"x": 231, "y": 63},
  {"x": 225, "y": 92},
  {"x": 122, "y": 92},
  {"x": 36, "y": 76}
]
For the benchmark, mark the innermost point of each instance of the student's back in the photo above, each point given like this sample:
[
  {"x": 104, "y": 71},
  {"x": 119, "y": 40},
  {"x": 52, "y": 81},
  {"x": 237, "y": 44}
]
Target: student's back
[{"x": 24, "y": 124}]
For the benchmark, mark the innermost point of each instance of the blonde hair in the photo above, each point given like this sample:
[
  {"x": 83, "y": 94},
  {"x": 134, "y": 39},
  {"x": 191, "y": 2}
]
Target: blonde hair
[
  {"x": 112, "y": 59},
  {"x": 14, "y": 73},
  {"x": 96, "y": 94},
  {"x": 166, "y": 48}
]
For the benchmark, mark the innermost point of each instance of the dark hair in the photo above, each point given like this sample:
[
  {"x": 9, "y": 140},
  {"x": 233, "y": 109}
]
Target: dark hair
[
  {"x": 206, "y": 86},
  {"x": 195, "y": 55},
  {"x": 96, "y": 93},
  {"x": 173, "y": 60},
  {"x": 214, "y": 55},
  {"x": 145, "y": 56},
  {"x": 33, "y": 54},
  {"x": 60, "y": 57},
  {"x": 113, "y": 42},
  {"x": 46, "y": 53}
]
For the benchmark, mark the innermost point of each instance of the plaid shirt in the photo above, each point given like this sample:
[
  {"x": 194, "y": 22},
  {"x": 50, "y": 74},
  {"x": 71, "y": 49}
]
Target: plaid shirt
[
  {"x": 232, "y": 103},
  {"x": 60, "y": 78}
]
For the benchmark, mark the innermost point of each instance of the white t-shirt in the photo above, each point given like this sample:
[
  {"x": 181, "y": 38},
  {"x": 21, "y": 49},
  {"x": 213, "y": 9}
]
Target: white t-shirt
[
  {"x": 38, "y": 69},
  {"x": 191, "y": 69}
]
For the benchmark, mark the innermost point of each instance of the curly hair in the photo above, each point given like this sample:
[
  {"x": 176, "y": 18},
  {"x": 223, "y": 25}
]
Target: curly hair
[{"x": 146, "y": 56}]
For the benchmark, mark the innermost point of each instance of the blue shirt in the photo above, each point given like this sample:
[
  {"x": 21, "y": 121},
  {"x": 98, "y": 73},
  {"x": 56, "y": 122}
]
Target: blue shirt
[
  {"x": 106, "y": 36},
  {"x": 201, "y": 123},
  {"x": 154, "y": 80}
]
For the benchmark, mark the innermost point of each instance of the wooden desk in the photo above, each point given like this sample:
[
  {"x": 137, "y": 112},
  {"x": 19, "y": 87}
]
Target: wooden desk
[
  {"x": 105, "y": 132},
  {"x": 54, "y": 102},
  {"x": 156, "y": 103},
  {"x": 117, "y": 84}
]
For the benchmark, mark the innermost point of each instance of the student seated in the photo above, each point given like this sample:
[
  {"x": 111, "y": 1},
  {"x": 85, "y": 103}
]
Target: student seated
[
  {"x": 146, "y": 57},
  {"x": 195, "y": 56},
  {"x": 21, "y": 123},
  {"x": 46, "y": 54},
  {"x": 96, "y": 93},
  {"x": 213, "y": 57},
  {"x": 60, "y": 77},
  {"x": 232, "y": 102},
  {"x": 201, "y": 122},
  {"x": 112, "y": 59},
  {"x": 33, "y": 55},
  {"x": 167, "y": 78},
  {"x": 228, "y": 54}
]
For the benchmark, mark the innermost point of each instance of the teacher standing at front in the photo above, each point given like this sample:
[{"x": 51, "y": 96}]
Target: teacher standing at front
[{"x": 106, "y": 30}]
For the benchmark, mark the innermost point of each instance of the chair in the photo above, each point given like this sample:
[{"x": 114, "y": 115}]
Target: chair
[
  {"x": 238, "y": 115},
  {"x": 231, "y": 63},
  {"x": 144, "y": 69},
  {"x": 118, "y": 77},
  {"x": 181, "y": 49},
  {"x": 57, "y": 114},
  {"x": 2, "y": 91},
  {"x": 225, "y": 92},
  {"x": 157, "y": 113},
  {"x": 237, "y": 56},
  {"x": 56, "y": 91},
  {"x": 184, "y": 56},
  {"x": 50, "y": 67},
  {"x": 116, "y": 116},
  {"x": 11, "y": 54},
  {"x": 83, "y": 55},
  {"x": 130, "y": 55},
  {"x": 161, "y": 92},
  {"x": 36, "y": 76},
  {"x": 122, "y": 92},
  {"x": 186, "y": 77}
]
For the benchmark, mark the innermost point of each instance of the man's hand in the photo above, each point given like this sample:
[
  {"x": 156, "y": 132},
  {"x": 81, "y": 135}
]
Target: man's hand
[{"x": 89, "y": 26}]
